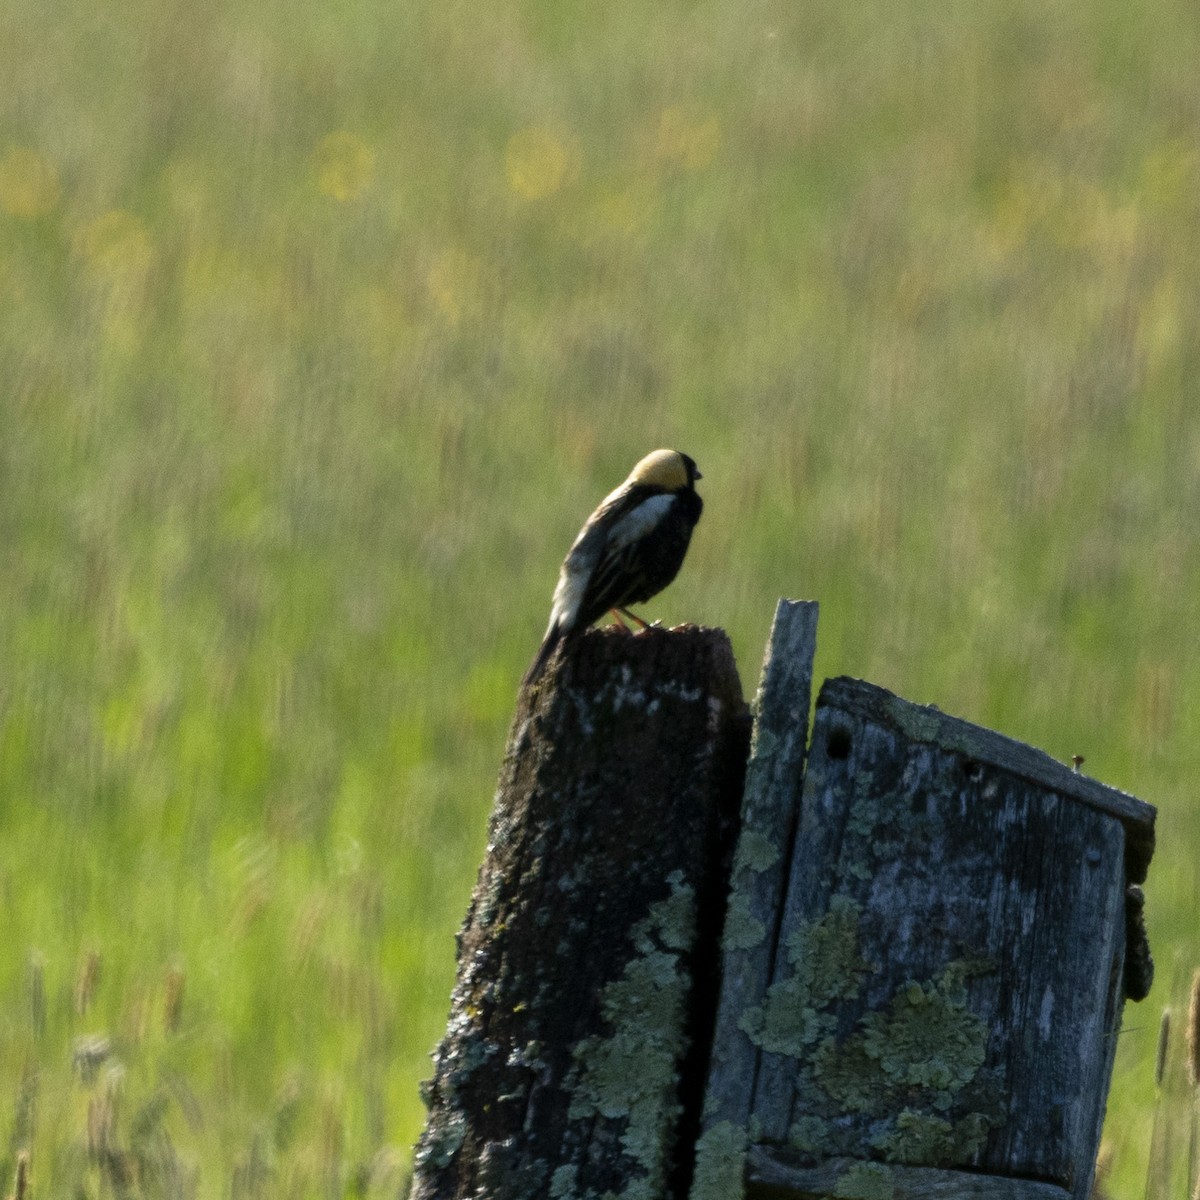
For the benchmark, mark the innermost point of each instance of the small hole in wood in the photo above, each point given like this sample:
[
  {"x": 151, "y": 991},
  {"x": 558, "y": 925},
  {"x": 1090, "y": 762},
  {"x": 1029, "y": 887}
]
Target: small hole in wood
[
  {"x": 973, "y": 771},
  {"x": 838, "y": 743}
]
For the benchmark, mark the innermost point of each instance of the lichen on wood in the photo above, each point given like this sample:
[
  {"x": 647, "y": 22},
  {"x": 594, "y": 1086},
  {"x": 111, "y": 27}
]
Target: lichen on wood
[
  {"x": 987, "y": 909},
  {"x": 720, "y": 1163},
  {"x": 585, "y": 989},
  {"x": 922, "y": 991},
  {"x": 770, "y": 810}
]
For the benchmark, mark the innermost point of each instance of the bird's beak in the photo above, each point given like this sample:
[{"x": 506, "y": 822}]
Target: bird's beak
[{"x": 698, "y": 475}]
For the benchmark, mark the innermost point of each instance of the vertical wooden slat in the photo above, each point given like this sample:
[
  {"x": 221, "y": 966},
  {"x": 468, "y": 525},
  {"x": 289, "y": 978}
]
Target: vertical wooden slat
[{"x": 770, "y": 810}]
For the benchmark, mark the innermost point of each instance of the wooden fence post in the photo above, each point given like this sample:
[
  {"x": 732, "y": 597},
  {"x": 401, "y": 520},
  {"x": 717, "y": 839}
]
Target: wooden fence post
[
  {"x": 922, "y": 990},
  {"x": 574, "y": 1058},
  {"x": 929, "y": 932}
]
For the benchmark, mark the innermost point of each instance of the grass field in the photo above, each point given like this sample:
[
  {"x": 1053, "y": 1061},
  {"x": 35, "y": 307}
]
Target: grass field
[{"x": 321, "y": 330}]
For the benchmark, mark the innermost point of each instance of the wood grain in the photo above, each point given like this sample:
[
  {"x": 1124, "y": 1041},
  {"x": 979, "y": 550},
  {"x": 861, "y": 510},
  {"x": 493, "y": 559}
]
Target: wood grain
[{"x": 573, "y": 1058}]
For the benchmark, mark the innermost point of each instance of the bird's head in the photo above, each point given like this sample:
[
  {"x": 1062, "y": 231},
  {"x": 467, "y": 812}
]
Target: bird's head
[{"x": 666, "y": 469}]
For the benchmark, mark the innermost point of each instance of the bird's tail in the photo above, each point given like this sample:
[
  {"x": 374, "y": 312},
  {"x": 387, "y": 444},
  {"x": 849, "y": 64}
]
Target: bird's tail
[{"x": 554, "y": 636}]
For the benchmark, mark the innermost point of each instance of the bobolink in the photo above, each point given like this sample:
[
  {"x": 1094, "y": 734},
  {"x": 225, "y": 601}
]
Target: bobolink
[{"x": 628, "y": 550}]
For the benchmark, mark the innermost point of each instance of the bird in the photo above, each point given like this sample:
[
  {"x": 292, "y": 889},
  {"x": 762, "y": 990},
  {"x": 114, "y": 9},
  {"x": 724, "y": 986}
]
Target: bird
[{"x": 628, "y": 550}]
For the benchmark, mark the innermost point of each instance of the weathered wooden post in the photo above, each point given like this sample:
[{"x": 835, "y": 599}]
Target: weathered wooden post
[
  {"x": 574, "y": 1060},
  {"x": 923, "y": 987},
  {"x": 929, "y": 931}
]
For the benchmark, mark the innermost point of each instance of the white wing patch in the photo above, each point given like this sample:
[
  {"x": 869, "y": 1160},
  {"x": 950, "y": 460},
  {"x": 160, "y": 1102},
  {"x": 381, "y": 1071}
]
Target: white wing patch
[
  {"x": 568, "y": 596},
  {"x": 573, "y": 579},
  {"x": 639, "y": 521}
]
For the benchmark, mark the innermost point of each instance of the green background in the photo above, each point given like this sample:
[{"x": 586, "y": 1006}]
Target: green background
[{"x": 322, "y": 328}]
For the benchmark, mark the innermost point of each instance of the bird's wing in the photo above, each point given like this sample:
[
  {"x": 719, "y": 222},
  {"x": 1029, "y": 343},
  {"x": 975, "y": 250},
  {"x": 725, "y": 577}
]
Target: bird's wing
[
  {"x": 618, "y": 574},
  {"x": 602, "y": 563},
  {"x": 632, "y": 526},
  {"x": 577, "y": 570}
]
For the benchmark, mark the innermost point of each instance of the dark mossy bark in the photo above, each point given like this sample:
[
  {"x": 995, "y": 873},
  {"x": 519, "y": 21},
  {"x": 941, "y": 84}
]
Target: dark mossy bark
[{"x": 573, "y": 1061}]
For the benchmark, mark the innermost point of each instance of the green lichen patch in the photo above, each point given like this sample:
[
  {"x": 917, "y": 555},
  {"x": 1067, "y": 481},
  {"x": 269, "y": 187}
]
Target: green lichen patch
[
  {"x": 847, "y": 1074},
  {"x": 971, "y": 1132},
  {"x": 743, "y": 931},
  {"x": 720, "y": 1163},
  {"x": 826, "y": 967},
  {"x": 564, "y": 1185},
  {"x": 472, "y": 1052},
  {"x": 443, "y": 1140},
  {"x": 878, "y": 829},
  {"x": 923, "y": 1055},
  {"x": 864, "y": 810},
  {"x": 908, "y": 1083},
  {"x": 917, "y": 1137},
  {"x": 644, "y": 1008},
  {"x": 923, "y": 724},
  {"x": 918, "y": 723},
  {"x": 764, "y": 744},
  {"x": 672, "y": 922},
  {"x": 632, "y": 1074},
  {"x": 928, "y": 1037},
  {"x": 810, "y": 1135},
  {"x": 755, "y": 852},
  {"x": 562, "y": 1182},
  {"x": 866, "y": 1181},
  {"x": 920, "y": 1138}
]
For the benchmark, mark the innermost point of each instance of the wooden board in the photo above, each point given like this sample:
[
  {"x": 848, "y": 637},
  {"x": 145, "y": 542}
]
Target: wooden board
[{"x": 927, "y": 974}]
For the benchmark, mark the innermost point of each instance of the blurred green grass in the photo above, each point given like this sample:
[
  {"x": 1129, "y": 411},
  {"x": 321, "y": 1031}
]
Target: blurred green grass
[{"x": 321, "y": 330}]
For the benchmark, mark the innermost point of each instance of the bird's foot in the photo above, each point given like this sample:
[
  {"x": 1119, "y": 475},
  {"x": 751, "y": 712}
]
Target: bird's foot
[{"x": 636, "y": 619}]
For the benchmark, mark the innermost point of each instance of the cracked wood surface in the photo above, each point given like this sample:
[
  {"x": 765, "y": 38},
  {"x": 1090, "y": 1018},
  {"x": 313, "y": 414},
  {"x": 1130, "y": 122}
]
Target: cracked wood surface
[{"x": 573, "y": 1058}]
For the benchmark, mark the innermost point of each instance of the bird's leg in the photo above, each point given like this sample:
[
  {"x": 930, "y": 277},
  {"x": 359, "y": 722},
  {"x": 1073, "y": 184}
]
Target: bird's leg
[
  {"x": 615, "y": 613},
  {"x": 633, "y": 617}
]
